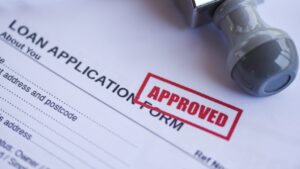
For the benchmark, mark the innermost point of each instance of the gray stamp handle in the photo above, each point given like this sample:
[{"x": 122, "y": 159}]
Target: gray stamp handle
[{"x": 262, "y": 60}]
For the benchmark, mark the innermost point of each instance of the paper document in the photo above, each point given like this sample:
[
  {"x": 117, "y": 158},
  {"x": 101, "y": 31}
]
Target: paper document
[{"x": 126, "y": 85}]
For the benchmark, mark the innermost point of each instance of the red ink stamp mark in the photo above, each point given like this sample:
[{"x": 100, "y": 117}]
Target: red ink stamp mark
[{"x": 189, "y": 106}]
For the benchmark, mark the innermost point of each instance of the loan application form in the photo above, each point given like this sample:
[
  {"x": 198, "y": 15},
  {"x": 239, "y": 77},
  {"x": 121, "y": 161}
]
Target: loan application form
[{"x": 77, "y": 79}]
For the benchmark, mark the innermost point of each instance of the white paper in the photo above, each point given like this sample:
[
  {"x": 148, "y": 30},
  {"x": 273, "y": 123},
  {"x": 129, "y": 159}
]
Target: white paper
[{"x": 124, "y": 41}]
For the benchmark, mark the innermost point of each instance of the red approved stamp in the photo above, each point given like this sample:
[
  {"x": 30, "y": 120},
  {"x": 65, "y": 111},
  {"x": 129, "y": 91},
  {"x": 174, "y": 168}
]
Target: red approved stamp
[{"x": 189, "y": 106}]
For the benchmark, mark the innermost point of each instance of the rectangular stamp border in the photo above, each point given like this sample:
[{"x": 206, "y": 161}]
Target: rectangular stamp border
[{"x": 151, "y": 75}]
